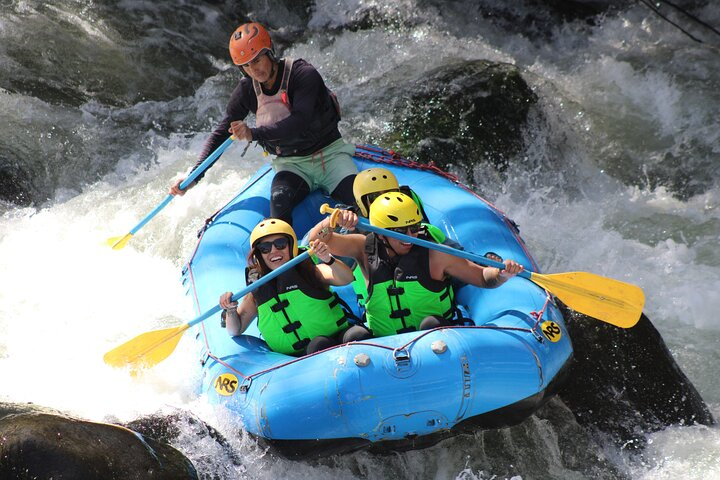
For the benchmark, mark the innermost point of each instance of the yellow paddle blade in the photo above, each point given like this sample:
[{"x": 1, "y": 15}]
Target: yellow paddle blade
[
  {"x": 118, "y": 242},
  {"x": 147, "y": 349},
  {"x": 606, "y": 299}
]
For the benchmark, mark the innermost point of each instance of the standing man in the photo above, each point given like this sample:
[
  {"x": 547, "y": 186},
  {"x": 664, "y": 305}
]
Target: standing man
[{"x": 296, "y": 119}]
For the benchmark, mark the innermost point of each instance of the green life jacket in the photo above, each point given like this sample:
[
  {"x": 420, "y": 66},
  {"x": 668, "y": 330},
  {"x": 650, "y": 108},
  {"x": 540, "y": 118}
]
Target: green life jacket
[
  {"x": 402, "y": 292},
  {"x": 359, "y": 284},
  {"x": 292, "y": 311},
  {"x": 437, "y": 235}
]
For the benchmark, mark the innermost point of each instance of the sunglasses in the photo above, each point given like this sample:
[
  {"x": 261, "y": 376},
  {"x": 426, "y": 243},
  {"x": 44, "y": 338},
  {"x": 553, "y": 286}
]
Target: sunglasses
[
  {"x": 266, "y": 247},
  {"x": 414, "y": 228}
]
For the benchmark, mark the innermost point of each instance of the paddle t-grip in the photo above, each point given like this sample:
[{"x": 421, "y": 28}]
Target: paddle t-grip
[{"x": 334, "y": 212}]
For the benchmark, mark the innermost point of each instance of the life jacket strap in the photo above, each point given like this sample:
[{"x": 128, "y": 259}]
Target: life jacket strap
[
  {"x": 404, "y": 312},
  {"x": 395, "y": 291},
  {"x": 281, "y": 305},
  {"x": 407, "y": 329},
  {"x": 291, "y": 327},
  {"x": 301, "y": 344}
]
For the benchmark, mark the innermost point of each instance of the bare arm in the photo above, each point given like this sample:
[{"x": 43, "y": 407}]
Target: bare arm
[
  {"x": 443, "y": 264},
  {"x": 351, "y": 245},
  {"x": 332, "y": 271},
  {"x": 238, "y": 319}
]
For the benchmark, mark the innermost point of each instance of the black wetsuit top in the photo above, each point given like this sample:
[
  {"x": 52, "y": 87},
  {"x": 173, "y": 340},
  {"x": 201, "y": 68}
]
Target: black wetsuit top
[{"x": 311, "y": 126}]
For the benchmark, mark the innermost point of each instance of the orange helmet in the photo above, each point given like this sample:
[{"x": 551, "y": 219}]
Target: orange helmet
[{"x": 249, "y": 41}]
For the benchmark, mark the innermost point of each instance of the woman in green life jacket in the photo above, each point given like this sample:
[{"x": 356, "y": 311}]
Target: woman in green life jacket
[
  {"x": 409, "y": 286},
  {"x": 297, "y": 312}
]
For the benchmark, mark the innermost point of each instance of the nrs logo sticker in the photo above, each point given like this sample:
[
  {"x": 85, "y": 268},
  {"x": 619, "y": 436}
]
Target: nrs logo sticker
[
  {"x": 226, "y": 384},
  {"x": 551, "y": 330}
]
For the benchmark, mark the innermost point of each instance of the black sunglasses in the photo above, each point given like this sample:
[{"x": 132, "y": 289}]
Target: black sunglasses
[
  {"x": 414, "y": 228},
  {"x": 266, "y": 247}
]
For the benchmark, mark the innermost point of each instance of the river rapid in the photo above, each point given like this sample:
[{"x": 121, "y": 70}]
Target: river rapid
[{"x": 104, "y": 104}]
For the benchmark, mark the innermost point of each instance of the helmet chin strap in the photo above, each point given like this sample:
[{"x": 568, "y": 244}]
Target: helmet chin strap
[{"x": 386, "y": 242}]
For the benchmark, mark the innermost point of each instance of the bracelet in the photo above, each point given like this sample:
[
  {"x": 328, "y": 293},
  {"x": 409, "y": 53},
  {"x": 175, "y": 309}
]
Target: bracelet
[
  {"x": 324, "y": 232},
  {"x": 331, "y": 261}
]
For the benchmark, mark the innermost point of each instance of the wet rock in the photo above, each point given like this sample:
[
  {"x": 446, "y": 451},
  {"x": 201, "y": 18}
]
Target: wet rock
[
  {"x": 462, "y": 114},
  {"x": 15, "y": 184},
  {"x": 625, "y": 382},
  {"x": 37, "y": 444},
  {"x": 287, "y": 20},
  {"x": 128, "y": 56},
  {"x": 548, "y": 445},
  {"x": 186, "y": 428},
  {"x": 167, "y": 428},
  {"x": 538, "y": 20}
]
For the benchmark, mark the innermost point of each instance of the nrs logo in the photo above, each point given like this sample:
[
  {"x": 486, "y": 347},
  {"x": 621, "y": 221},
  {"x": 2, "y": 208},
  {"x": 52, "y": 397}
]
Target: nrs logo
[
  {"x": 551, "y": 330},
  {"x": 226, "y": 384}
]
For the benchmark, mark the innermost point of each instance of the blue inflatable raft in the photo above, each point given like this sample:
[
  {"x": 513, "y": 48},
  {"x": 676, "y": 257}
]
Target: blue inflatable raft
[{"x": 391, "y": 393}]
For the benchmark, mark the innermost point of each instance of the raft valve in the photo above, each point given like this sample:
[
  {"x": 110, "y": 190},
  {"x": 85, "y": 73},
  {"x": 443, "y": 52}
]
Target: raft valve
[
  {"x": 438, "y": 346},
  {"x": 362, "y": 360}
]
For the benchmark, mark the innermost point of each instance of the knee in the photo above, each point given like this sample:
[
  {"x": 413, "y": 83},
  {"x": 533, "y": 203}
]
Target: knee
[
  {"x": 281, "y": 205},
  {"x": 431, "y": 322},
  {"x": 319, "y": 343},
  {"x": 356, "y": 333},
  {"x": 344, "y": 191}
]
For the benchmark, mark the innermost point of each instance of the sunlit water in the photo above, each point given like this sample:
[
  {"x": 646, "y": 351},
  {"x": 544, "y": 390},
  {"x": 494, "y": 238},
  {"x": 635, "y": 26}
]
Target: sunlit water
[{"x": 616, "y": 99}]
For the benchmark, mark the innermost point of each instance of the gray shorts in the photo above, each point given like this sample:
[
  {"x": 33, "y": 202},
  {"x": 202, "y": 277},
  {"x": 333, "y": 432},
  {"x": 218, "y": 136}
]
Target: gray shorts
[{"x": 324, "y": 169}]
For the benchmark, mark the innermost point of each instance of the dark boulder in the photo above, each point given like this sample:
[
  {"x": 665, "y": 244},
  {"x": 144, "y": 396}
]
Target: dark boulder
[
  {"x": 37, "y": 444},
  {"x": 626, "y": 383},
  {"x": 463, "y": 114}
]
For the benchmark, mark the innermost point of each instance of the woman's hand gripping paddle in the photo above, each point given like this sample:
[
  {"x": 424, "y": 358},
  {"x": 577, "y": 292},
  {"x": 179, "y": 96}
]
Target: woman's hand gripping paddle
[
  {"x": 605, "y": 299},
  {"x": 119, "y": 242},
  {"x": 150, "y": 348}
]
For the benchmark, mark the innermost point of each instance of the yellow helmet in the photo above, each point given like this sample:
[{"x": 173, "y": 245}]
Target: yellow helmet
[
  {"x": 273, "y": 226},
  {"x": 394, "y": 209},
  {"x": 372, "y": 180}
]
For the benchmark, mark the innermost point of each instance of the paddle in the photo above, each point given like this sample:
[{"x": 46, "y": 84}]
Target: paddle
[
  {"x": 119, "y": 242},
  {"x": 150, "y": 348},
  {"x": 602, "y": 298}
]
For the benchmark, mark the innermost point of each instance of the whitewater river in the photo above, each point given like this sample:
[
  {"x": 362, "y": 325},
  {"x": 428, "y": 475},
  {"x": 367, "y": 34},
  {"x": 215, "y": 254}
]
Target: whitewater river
[{"x": 102, "y": 105}]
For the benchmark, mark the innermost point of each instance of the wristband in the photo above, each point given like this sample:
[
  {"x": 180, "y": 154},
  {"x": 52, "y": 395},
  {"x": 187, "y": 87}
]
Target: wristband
[
  {"x": 324, "y": 232},
  {"x": 331, "y": 261}
]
